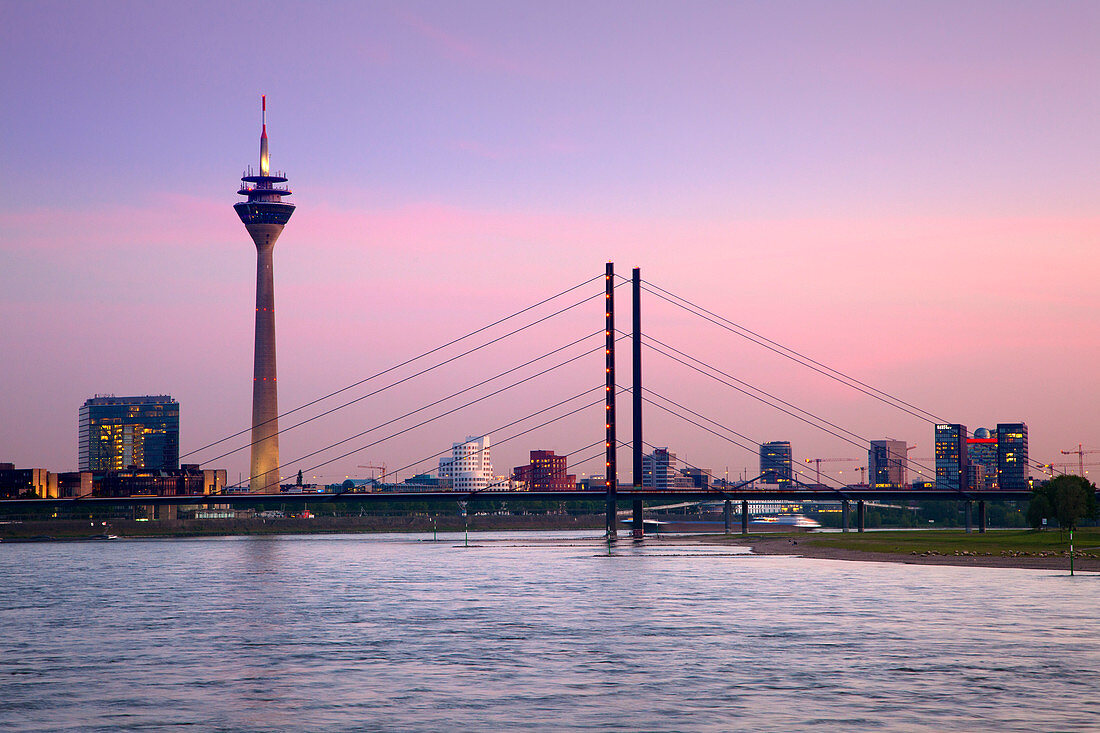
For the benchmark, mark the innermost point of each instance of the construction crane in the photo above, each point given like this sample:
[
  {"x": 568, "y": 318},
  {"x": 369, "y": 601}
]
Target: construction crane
[
  {"x": 819, "y": 461},
  {"x": 371, "y": 466},
  {"x": 1053, "y": 467},
  {"x": 1081, "y": 452}
]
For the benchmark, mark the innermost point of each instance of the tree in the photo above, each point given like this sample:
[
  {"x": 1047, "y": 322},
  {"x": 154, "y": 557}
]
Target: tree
[
  {"x": 1038, "y": 509},
  {"x": 1074, "y": 500},
  {"x": 299, "y": 482},
  {"x": 1065, "y": 499}
]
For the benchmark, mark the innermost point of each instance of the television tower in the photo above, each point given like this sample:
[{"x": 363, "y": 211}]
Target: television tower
[{"x": 264, "y": 215}]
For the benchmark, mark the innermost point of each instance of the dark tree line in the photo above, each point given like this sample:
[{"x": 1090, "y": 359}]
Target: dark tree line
[{"x": 1065, "y": 500}]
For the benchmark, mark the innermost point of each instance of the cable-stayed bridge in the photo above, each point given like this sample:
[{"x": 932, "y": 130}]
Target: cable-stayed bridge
[{"x": 596, "y": 438}]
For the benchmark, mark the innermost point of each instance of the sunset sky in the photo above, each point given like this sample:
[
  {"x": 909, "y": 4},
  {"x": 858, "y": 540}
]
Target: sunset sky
[{"x": 907, "y": 192}]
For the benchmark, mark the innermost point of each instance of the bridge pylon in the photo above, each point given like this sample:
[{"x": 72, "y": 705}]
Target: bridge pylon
[
  {"x": 636, "y": 394},
  {"x": 611, "y": 478}
]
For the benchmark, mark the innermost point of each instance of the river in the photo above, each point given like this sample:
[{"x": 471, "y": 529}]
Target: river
[{"x": 531, "y": 631}]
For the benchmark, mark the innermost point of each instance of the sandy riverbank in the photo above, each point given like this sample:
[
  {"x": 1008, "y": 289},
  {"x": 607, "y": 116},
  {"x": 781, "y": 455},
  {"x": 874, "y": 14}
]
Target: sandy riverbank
[{"x": 804, "y": 547}]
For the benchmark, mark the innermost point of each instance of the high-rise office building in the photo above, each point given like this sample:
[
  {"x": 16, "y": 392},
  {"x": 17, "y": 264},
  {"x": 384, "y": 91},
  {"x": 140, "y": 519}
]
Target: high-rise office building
[
  {"x": 1012, "y": 458},
  {"x": 264, "y": 215},
  {"x": 115, "y": 433},
  {"x": 981, "y": 452},
  {"x": 546, "y": 472},
  {"x": 887, "y": 461},
  {"x": 775, "y": 462},
  {"x": 952, "y": 472},
  {"x": 659, "y": 469},
  {"x": 695, "y": 478},
  {"x": 469, "y": 467}
]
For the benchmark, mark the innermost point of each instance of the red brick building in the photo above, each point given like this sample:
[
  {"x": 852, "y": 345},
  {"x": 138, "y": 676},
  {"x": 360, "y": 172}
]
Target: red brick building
[{"x": 546, "y": 472}]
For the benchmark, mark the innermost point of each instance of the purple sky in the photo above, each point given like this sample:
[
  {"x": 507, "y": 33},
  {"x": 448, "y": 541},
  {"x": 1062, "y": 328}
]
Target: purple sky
[{"x": 904, "y": 191}]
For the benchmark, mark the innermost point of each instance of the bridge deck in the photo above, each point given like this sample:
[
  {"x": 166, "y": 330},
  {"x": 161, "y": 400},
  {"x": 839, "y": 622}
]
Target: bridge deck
[{"x": 442, "y": 497}]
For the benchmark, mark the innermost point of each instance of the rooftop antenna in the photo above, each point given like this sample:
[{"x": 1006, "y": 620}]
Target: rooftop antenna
[{"x": 264, "y": 166}]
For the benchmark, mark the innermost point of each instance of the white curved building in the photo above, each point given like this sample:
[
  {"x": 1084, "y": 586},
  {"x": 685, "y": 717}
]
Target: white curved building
[{"x": 469, "y": 466}]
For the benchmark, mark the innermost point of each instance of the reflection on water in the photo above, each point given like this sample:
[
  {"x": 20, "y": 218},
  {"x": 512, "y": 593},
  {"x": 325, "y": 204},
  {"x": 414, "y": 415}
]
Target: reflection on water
[{"x": 535, "y": 631}]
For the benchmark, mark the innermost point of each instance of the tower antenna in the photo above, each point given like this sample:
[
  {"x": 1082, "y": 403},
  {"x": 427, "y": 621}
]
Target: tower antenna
[{"x": 265, "y": 166}]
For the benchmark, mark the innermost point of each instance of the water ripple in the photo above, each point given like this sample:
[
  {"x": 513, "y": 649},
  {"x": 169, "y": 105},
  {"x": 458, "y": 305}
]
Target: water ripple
[{"x": 519, "y": 633}]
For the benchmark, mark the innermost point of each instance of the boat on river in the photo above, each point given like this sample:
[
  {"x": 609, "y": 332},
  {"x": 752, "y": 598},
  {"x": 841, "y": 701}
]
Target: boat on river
[{"x": 798, "y": 521}]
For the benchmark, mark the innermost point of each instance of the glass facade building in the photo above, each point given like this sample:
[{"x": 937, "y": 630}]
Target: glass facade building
[
  {"x": 886, "y": 462},
  {"x": 982, "y": 454},
  {"x": 185, "y": 481},
  {"x": 775, "y": 462},
  {"x": 115, "y": 433},
  {"x": 1012, "y": 458},
  {"x": 952, "y": 466}
]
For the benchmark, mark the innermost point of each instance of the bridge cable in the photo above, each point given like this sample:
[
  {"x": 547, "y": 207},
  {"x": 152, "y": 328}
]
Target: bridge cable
[
  {"x": 808, "y": 362},
  {"x": 498, "y": 442},
  {"x": 865, "y": 445},
  {"x": 773, "y": 346},
  {"x": 418, "y": 357},
  {"x": 413, "y": 376},
  {"x": 724, "y": 427},
  {"x": 726, "y": 488},
  {"x": 418, "y": 425},
  {"x": 502, "y": 427},
  {"x": 739, "y": 389},
  {"x": 425, "y": 422},
  {"x": 704, "y": 417},
  {"x": 757, "y": 389},
  {"x": 731, "y": 440},
  {"x": 594, "y": 456},
  {"x": 795, "y": 356},
  {"x": 564, "y": 455}
]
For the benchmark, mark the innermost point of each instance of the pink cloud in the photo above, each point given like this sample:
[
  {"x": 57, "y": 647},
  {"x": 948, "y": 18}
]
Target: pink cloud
[{"x": 169, "y": 220}]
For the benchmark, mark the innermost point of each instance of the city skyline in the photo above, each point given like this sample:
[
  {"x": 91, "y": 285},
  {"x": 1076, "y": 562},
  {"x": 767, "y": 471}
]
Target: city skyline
[{"x": 914, "y": 207}]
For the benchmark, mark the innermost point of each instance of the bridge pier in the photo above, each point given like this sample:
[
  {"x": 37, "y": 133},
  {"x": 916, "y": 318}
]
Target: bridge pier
[
  {"x": 845, "y": 508},
  {"x": 981, "y": 516},
  {"x": 727, "y": 516},
  {"x": 744, "y": 516},
  {"x": 968, "y": 528},
  {"x": 639, "y": 519},
  {"x": 861, "y": 515}
]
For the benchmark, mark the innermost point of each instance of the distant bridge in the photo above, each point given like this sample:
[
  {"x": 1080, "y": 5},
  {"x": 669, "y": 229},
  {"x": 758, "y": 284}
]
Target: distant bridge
[
  {"x": 443, "y": 497},
  {"x": 846, "y": 497}
]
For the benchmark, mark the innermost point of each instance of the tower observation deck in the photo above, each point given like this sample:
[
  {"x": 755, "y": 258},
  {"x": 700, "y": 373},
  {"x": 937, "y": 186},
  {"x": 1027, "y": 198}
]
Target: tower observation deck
[{"x": 264, "y": 215}]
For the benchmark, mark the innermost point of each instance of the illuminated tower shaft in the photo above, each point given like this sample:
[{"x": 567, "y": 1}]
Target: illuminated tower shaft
[{"x": 264, "y": 215}]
